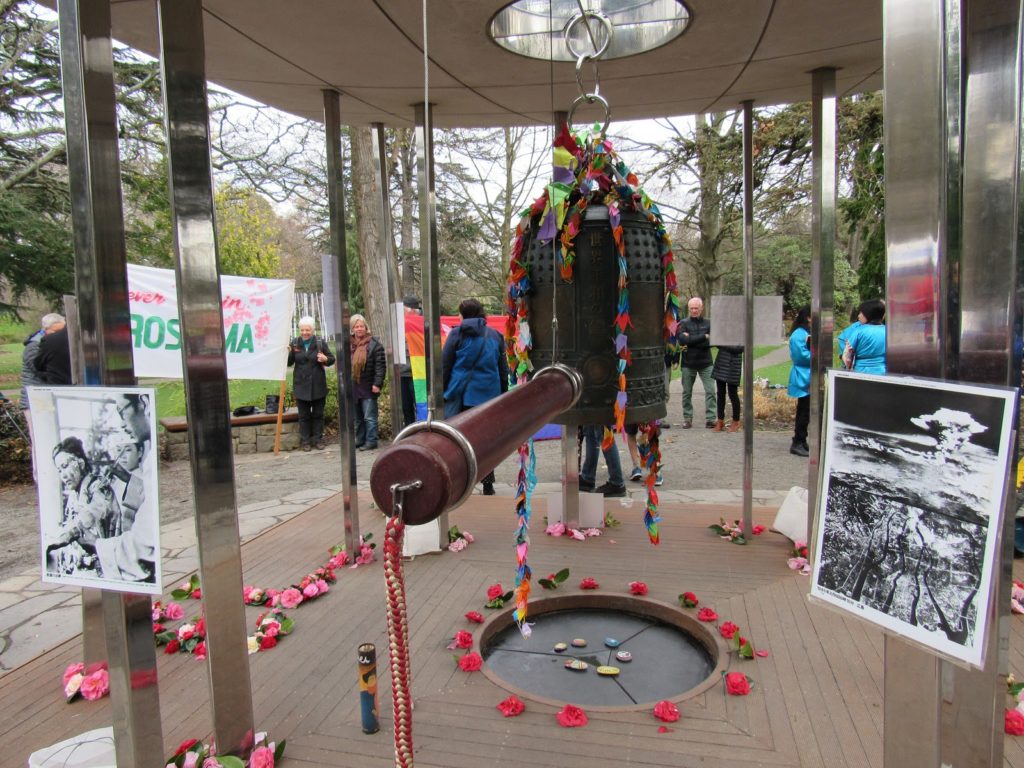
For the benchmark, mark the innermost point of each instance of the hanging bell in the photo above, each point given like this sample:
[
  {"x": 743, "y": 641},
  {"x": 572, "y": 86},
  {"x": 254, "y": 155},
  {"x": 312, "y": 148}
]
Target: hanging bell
[{"x": 596, "y": 259}]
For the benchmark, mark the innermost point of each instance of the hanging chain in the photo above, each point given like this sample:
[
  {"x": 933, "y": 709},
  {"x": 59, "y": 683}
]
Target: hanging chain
[{"x": 582, "y": 57}]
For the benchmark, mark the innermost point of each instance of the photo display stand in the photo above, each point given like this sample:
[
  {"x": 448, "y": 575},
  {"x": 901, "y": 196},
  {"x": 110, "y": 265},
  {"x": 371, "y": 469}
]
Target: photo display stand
[
  {"x": 95, "y": 452},
  {"x": 914, "y": 477}
]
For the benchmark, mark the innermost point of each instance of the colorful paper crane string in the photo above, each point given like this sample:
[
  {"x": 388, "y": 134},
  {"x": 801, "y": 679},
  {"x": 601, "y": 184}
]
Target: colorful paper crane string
[
  {"x": 526, "y": 482},
  {"x": 585, "y": 170},
  {"x": 650, "y": 458}
]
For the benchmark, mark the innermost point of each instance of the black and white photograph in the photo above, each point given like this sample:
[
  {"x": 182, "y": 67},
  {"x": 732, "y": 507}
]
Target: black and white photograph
[
  {"x": 911, "y": 504},
  {"x": 95, "y": 457}
]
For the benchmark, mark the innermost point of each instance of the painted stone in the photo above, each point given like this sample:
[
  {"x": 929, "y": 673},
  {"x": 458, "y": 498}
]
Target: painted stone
[
  {"x": 560, "y": 647},
  {"x": 576, "y": 665},
  {"x": 608, "y": 671},
  {"x": 579, "y": 642},
  {"x": 624, "y": 656},
  {"x": 611, "y": 642}
]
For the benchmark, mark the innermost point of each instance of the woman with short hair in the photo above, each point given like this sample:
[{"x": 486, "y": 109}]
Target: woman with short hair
[{"x": 310, "y": 354}]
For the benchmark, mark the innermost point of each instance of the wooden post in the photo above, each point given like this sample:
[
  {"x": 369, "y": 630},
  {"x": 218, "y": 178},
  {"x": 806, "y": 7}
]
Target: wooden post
[{"x": 280, "y": 417}]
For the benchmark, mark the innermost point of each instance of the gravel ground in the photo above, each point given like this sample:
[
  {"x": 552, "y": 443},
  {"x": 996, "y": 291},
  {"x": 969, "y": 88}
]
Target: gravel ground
[{"x": 694, "y": 459}]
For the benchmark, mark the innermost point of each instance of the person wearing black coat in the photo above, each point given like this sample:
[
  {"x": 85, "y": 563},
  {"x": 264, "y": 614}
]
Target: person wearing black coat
[
  {"x": 310, "y": 355},
  {"x": 694, "y": 334},
  {"x": 53, "y": 360},
  {"x": 369, "y": 366},
  {"x": 727, "y": 371}
]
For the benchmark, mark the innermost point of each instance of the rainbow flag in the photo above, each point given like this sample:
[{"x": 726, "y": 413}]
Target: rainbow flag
[{"x": 415, "y": 348}]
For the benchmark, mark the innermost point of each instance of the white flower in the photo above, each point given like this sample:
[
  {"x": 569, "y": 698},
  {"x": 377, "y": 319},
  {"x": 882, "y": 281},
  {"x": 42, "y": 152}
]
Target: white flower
[
  {"x": 252, "y": 644},
  {"x": 74, "y": 683}
]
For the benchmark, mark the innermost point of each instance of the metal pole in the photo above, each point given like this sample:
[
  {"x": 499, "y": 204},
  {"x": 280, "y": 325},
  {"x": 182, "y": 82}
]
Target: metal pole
[
  {"x": 103, "y": 329},
  {"x": 342, "y": 345},
  {"x": 395, "y": 325},
  {"x": 748, "y": 337},
  {"x": 428, "y": 264},
  {"x": 823, "y": 230},
  {"x": 990, "y": 303},
  {"x": 570, "y": 511},
  {"x": 922, "y": 144},
  {"x": 186, "y": 115}
]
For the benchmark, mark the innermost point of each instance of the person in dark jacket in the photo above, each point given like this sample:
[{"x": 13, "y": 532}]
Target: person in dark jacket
[
  {"x": 369, "y": 366},
  {"x": 53, "y": 360},
  {"x": 310, "y": 354},
  {"x": 474, "y": 367},
  {"x": 726, "y": 372},
  {"x": 695, "y": 335}
]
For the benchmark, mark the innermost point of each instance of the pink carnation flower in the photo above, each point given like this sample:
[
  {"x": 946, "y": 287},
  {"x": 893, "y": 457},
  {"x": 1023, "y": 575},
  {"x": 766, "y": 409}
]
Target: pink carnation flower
[
  {"x": 261, "y": 757},
  {"x": 309, "y": 590},
  {"x": 290, "y": 598},
  {"x": 72, "y": 670},
  {"x": 174, "y": 612},
  {"x": 321, "y": 586},
  {"x": 556, "y": 529},
  {"x": 468, "y": 536},
  {"x": 96, "y": 685}
]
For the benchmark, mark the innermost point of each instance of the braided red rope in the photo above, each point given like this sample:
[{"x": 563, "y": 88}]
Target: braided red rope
[{"x": 398, "y": 641}]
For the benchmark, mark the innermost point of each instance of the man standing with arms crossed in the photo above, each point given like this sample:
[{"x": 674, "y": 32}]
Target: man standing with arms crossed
[{"x": 694, "y": 336}]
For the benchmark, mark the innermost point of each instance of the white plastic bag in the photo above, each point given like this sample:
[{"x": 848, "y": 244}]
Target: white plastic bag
[
  {"x": 791, "y": 520},
  {"x": 92, "y": 749}
]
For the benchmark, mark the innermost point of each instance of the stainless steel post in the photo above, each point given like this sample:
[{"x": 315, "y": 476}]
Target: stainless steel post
[
  {"x": 342, "y": 344},
  {"x": 922, "y": 144},
  {"x": 186, "y": 116},
  {"x": 570, "y": 446},
  {"x": 103, "y": 330},
  {"x": 823, "y": 236},
  {"x": 990, "y": 332},
  {"x": 428, "y": 265},
  {"x": 395, "y": 326},
  {"x": 748, "y": 331}
]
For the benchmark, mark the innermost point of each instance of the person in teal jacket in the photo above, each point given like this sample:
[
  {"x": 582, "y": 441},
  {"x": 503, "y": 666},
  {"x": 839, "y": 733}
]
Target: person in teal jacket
[
  {"x": 865, "y": 348},
  {"x": 847, "y": 333},
  {"x": 800, "y": 378}
]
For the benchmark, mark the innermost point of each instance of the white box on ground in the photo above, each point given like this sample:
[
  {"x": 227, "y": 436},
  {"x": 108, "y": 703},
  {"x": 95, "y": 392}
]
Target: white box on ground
[
  {"x": 92, "y": 749},
  {"x": 591, "y": 509},
  {"x": 421, "y": 539}
]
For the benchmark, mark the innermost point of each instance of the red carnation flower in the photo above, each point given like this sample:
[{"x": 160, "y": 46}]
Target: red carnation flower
[
  {"x": 185, "y": 746},
  {"x": 463, "y": 639},
  {"x": 511, "y": 707},
  {"x": 689, "y": 600},
  {"x": 589, "y": 583},
  {"x": 475, "y": 616},
  {"x": 1013, "y": 722},
  {"x": 172, "y": 647},
  {"x": 707, "y": 614},
  {"x": 637, "y": 588},
  {"x": 666, "y": 711},
  {"x": 571, "y": 717},
  {"x": 737, "y": 684},
  {"x": 495, "y": 591},
  {"x": 728, "y": 629},
  {"x": 268, "y": 642},
  {"x": 471, "y": 662}
]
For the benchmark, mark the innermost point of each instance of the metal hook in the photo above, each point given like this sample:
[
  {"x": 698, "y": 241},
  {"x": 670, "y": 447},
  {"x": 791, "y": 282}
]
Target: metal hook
[{"x": 398, "y": 494}]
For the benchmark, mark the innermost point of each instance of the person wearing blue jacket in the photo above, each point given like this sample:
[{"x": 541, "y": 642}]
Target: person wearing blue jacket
[
  {"x": 474, "y": 366},
  {"x": 865, "y": 348},
  {"x": 800, "y": 378},
  {"x": 847, "y": 333}
]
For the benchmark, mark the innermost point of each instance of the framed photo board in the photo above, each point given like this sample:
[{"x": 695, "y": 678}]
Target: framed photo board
[
  {"x": 914, "y": 476},
  {"x": 99, "y": 514}
]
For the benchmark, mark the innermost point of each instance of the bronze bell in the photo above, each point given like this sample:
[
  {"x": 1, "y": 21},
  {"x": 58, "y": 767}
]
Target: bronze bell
[{"x": 586, "y": 309}]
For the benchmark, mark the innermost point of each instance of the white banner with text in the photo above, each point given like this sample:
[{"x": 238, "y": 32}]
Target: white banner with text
[{"x": 257, "y": 324}]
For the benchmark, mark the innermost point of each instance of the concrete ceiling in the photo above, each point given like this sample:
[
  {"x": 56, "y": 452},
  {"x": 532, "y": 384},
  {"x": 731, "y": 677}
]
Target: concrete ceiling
[{"x": 284, "y": 53}]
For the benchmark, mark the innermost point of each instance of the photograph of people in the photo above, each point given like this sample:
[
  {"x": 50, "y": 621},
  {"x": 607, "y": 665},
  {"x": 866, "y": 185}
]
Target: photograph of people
[{"x": 98, "y": 505}]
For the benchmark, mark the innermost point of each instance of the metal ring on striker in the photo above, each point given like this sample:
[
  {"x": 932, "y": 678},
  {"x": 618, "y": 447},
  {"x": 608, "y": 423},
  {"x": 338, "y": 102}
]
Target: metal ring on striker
[
  {"x": 592, "y": 98},
  {"x": 570, "y": 25},
  {"x": 574, "y": 376},
  {"x": 460, "y": 440}
]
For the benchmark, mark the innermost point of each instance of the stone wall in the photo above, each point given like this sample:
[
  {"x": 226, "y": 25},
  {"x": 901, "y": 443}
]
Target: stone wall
[{"x": 252, "y": 439}]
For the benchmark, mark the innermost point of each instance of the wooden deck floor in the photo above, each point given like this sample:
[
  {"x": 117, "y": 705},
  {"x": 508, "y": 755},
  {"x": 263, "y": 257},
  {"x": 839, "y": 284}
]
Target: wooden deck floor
[{"x": 817, "y": 699}]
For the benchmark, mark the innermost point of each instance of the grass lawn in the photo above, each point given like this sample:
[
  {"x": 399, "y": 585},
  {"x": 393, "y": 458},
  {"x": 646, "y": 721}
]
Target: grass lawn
[{"x": 170, "y": 394}]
